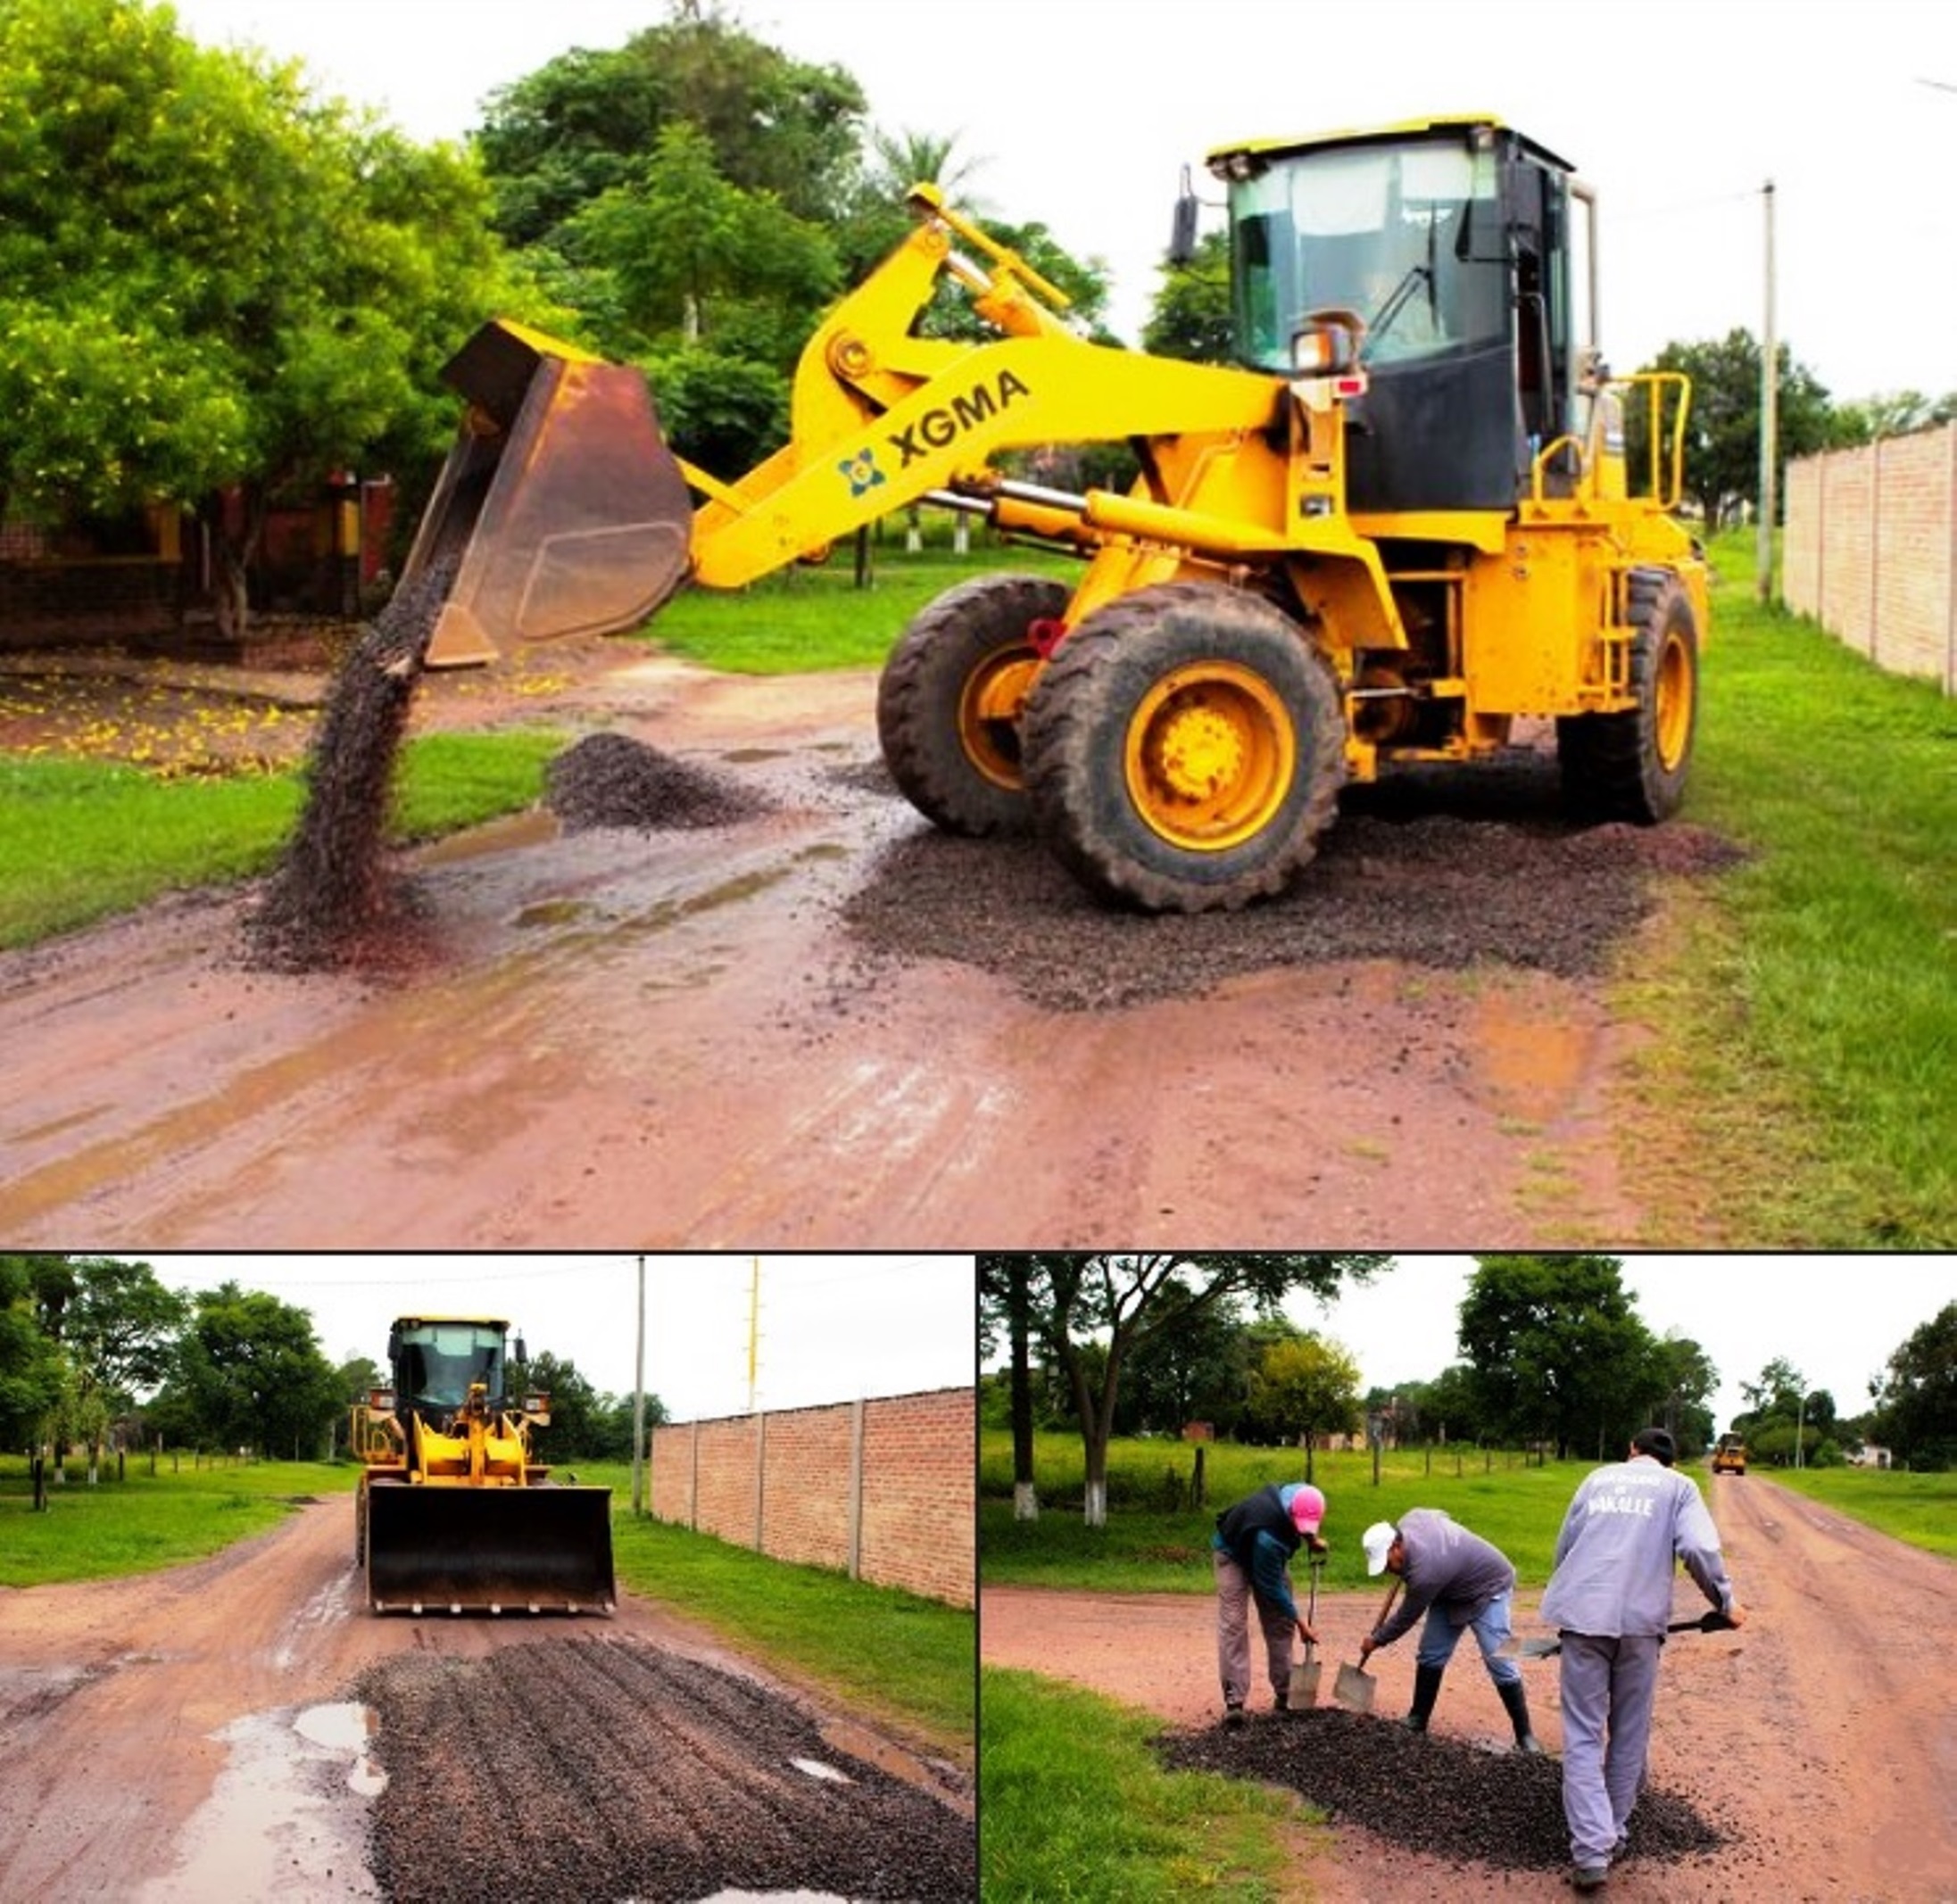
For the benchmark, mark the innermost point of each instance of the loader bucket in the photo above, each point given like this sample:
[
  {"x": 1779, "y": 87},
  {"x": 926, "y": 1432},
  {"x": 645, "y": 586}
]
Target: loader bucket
[
  {"x": 560, "y": 507},
  {"x": 503, "y": 1550}
]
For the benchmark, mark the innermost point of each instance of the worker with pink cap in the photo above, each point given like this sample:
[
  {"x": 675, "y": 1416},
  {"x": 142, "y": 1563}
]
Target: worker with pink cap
[{"x": 1252, "y": 1549}]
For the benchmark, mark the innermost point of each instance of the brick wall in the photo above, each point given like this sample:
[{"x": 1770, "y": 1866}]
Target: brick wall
[
  {"x": 1871, "y": 549},
  {"x": 884, "y": 1490}
]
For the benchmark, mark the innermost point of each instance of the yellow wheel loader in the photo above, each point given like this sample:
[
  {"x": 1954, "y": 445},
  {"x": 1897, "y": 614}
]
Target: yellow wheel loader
[
  {"x": 454, "y": 1512},
  {"x": 1402, "y": 522}
]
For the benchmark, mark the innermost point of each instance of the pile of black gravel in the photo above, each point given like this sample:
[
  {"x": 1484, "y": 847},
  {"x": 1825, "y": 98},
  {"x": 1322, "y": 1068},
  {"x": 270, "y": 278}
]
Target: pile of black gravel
[
  {"x": 575, "y": 1769},
  {"x": 1431, "y": 1795},
  {"x": 1436, "y": 888},
  {"x": 330, "y": 897},
  {"x": 609, "y": 780}
]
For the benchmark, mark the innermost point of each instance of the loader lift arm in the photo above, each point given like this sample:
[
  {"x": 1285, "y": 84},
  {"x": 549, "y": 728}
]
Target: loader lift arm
[{"x": 564, "y": 512}]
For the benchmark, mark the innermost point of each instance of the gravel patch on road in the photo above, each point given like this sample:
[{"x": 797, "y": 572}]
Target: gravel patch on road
[
  {"x": 610, "y": 780},
  {"x": 1429, "y": 1794},
  {"x": 1437, "y": 888},
  {"x": 602, "y": 1768}
]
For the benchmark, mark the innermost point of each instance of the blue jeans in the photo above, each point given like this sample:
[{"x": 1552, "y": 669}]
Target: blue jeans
[{"x": 1440, "y": 1636}]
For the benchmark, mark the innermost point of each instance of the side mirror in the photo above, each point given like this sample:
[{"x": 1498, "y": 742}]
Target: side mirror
[{"x": 1183, "y": 229}]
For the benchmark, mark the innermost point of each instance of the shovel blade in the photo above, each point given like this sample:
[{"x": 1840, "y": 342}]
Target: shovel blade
[
  {"x": 1353, "y": 1689},
  {"x": 1304, "y": 1678}
]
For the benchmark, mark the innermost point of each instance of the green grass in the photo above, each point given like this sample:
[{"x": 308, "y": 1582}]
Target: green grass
[
  {"x": 1797, "y": 1095},
  {"x": 1074, "y": 1806},
  {"x": 807, "y": 619},
  {"x": 82, "y": 839},
  {"x": 144, "y": 1523},
  {"x": 1921, "y": 1509},
  {"x": 1150, "y": 1547},
  {"x": 896, "y": 1655}
]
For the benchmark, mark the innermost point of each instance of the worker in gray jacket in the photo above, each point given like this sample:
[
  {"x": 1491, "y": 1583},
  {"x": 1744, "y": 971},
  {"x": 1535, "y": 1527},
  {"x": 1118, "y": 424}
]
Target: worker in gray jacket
[
  {"x": 1458, "y": 1580},
  {"x": 1609, "y": 1597}
]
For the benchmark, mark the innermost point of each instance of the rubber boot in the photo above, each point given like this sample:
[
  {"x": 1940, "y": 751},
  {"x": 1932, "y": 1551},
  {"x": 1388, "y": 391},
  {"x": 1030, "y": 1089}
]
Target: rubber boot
[
  {"x": 1426, "y": 1691},
  {"x": 1517, "y": 1702}
]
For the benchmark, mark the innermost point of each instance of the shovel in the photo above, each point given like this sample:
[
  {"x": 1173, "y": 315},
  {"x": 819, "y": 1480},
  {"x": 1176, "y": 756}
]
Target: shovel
[
  {"x": 1305, "y": 1673},
  {"x": 1355, "y": 1687},
  {"x": 1713, "y": 1622}
]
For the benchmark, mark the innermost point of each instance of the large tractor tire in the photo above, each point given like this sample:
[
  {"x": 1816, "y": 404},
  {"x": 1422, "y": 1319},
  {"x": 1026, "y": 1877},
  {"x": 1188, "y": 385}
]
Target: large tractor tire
[
  {"x": 1633, "y": 765},
  {"x": 949, "y": 703},
  {"x": 1184, "y": 749}
]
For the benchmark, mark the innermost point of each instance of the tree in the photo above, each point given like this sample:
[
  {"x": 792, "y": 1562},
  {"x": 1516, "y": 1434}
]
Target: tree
[
  {"x": 1689, "y": 1383},
  {"x": 31, "y": 1367},
  {"x": 210, "y": 279},
  {"x": 118, "y": 1326},
  {"x": 1916, "y": 1401},
  {"x": 1114, "y": 1305},
  {"x": 1191, "y": 316},
  {"x": 1557, "y": 1350},
  {"x": 582, "y": 124},
  {"x": 576, "y": 1429},
  {"x": 1305, "y": 1388},
  {"x": 249, "y": 1374},
  {"x": 1722, "y": 431}
]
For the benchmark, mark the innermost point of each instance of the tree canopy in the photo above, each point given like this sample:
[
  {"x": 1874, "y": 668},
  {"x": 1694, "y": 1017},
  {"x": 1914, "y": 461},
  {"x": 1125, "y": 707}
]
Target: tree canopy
[
  {"x": 1916, "y": 1396},
  {"x": 211, "y": 279}
]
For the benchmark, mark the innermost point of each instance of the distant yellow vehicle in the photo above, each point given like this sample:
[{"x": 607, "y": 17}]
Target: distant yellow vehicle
[{"x": 1730, "y": 1456}]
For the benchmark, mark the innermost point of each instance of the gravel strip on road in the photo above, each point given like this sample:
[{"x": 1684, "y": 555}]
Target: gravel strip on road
[
  {"x": 609, "y": 1769},
  {"x": 1426, "y": 1793}
]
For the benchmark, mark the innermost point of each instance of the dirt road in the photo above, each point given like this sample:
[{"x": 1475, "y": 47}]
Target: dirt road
[
  {"x": 212, "y": 1732},
  {"x": 1821, "y": 1739},
  {"x": 829, "y": 1025}
]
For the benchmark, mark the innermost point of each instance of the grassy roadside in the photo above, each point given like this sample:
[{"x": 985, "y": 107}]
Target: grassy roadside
[
  {"x": 1150, "y": 1546},
  {"x": 1918, "y": 1509},
  {"x": 1797, "y": 1093},
  {"x": 1072, "y": 1805},
  {"x": 80, "y": 839},
  {"x": 143, "y": 1523}
]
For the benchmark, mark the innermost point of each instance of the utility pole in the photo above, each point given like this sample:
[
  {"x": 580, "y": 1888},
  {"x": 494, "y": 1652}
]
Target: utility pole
[
  {"x": 754, "y": 1329},
  {"x": 1769, "y": 389},
  {"x": 638, "y": 1408}
]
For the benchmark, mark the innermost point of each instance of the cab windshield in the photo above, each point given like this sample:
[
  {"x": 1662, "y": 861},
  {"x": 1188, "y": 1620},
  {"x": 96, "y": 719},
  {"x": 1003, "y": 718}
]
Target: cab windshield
[
  {"x": 1407, "y": 234},
  {"x": 438, "y": 1361}
]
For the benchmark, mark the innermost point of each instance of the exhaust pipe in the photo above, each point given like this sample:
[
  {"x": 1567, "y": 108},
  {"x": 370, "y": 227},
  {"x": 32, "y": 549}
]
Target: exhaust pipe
[{"x": 560, "y": 510}]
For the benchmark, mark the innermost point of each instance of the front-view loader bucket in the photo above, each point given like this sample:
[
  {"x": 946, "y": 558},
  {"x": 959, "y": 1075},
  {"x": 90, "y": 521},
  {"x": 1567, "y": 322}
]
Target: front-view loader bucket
[
  {"x": 503, "y": 1550},
  {"x": 560, "y": 509}
]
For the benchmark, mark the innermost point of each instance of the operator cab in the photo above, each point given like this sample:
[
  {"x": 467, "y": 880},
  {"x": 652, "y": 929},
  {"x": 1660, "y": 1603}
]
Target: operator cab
[
  {"x": 436, "y": 1358},
  {"x": 1450, "y": 239}
]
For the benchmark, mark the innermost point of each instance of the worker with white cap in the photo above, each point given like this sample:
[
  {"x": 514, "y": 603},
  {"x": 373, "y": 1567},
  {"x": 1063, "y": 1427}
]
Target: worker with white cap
[
  {"x": 1458, "y": 1580},
  {"x": 1252, "y": 1549}
]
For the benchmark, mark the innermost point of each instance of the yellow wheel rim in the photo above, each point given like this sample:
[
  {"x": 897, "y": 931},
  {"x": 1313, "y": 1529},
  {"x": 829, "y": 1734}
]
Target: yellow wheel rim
[
  {"x": 1673, "y": 710},
  {"x": 1210, "y": 757},
  {"x": 989, "y": 712}
]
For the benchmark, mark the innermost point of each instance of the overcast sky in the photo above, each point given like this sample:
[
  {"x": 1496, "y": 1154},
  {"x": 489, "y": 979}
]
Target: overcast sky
[
  {"x": 1836, "y": 1318},
  {"x": 1677, "y": 111},
  {"x": 831, "y": 1327}
]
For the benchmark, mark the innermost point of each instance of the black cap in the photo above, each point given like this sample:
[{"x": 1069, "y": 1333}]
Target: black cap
[{"x": 1657, "y": 1443}]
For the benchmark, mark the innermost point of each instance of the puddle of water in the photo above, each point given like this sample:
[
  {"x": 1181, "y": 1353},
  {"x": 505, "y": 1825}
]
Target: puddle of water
[
  {"x": 816, "y": 1769},
  {"x": 493, "y": 836},
  {"x": 1529, "y": 1062},
  {"x": 275, "y": 1824}
]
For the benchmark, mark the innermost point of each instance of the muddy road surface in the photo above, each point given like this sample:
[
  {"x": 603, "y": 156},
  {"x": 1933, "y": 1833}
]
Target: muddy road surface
[
  {"x": 824, "y": 1023},
  {"x": 1819, "y": 1743},
  {"x": 243, "y": 1728}
]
